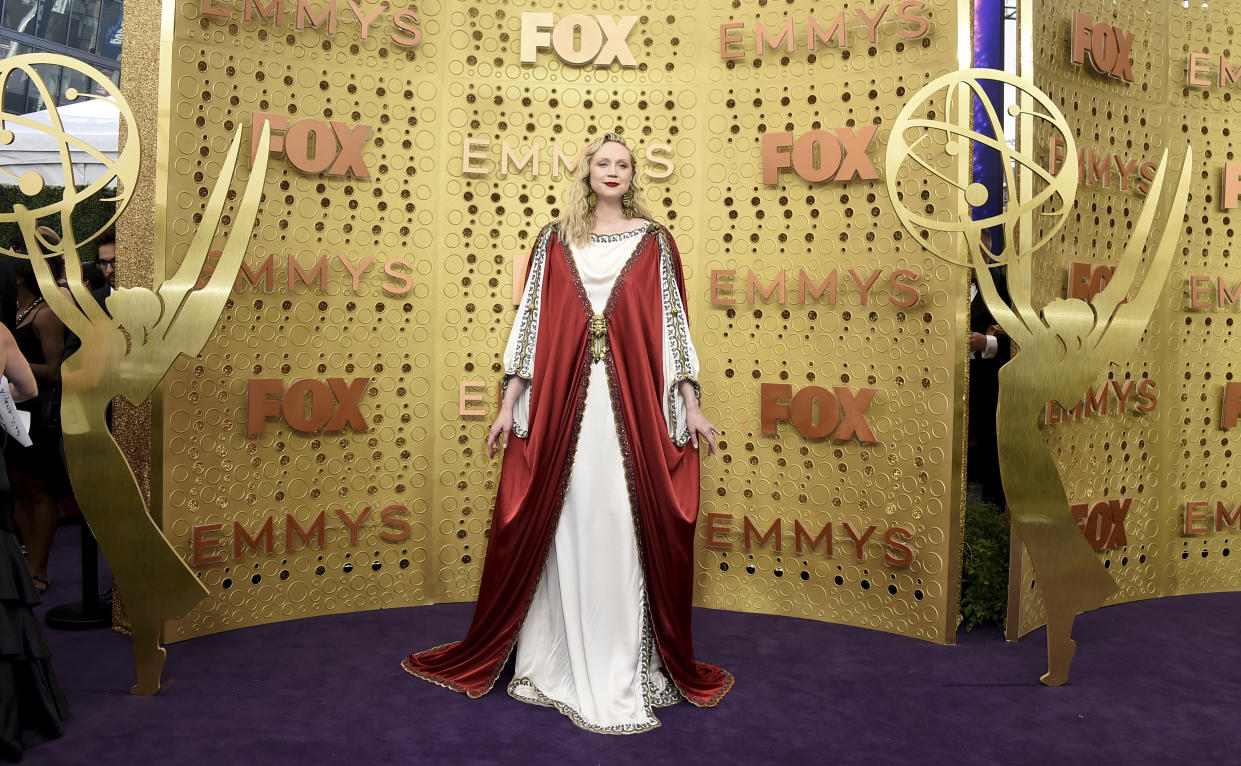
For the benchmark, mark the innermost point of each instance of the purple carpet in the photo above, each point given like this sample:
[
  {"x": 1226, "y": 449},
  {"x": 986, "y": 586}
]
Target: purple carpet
[{"x": 1153, "y": 683}]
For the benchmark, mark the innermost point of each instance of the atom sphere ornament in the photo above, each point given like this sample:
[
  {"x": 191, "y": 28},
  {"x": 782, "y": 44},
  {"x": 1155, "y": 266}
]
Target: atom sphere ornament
[
  {"x": 121, "y": 172},
  {"x": 925, "y": 141},
  {"x": 127, "y": 347},
  {"x": 1063, "y": 347}
]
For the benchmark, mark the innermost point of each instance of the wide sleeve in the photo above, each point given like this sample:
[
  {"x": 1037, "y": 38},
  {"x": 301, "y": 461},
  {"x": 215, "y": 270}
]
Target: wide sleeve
[
  {"x": 523, "y": 339},
  {"x": 680, "y": 358}
]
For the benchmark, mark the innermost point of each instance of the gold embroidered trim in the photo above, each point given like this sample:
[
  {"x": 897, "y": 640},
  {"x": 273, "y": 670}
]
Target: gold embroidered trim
[
  {"x": 677, "y": 326},
  {"x": 683, "y": 363},
  {"x": 669, "y": 695},
  {"x": 437, "y": 680},
  {"x": 606, "y": 238},
  {"x": 527, "y": 325},
  {"x": 648, "y": 700}
]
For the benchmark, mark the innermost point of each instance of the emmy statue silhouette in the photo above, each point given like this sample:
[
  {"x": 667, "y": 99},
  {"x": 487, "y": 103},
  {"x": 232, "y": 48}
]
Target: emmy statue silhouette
[
  {"x": 126, "y": 350},
  {"x": 1065, "y": 346}
]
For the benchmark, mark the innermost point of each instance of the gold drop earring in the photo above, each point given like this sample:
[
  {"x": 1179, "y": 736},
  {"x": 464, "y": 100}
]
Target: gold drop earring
[
  {"x": 627, "y": 202},
  {"x": 591, "y": 199}
]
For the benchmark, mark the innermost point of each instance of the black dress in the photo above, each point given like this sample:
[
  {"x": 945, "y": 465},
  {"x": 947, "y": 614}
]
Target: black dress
[
  {"x": 42, "y": 460},
  {"x": 32, "y": 708}
]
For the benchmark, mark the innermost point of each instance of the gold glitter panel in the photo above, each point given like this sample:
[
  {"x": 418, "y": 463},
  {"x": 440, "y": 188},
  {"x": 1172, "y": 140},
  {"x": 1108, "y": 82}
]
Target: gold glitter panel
[
  {"x": 136, "y": 226},
  {"x": 135, "y": 428},
  {"x": 317, "y": 456},
  {"x": 1146, "y": 458}
]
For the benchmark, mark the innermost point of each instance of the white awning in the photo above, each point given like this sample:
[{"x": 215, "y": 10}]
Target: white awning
[{"x": 93, "y": 121}]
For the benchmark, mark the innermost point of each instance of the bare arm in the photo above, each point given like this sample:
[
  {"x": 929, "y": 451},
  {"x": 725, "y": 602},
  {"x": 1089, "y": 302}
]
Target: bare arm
[
  {"x": 16, "y": 368},
  {"x": 690, "y": 395},
  {"x": 697, "y": 422},
  {"x": 504, "y": 420}
]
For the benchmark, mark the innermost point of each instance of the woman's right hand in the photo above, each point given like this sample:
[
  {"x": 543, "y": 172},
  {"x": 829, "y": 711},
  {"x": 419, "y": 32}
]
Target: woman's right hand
[{"x": 498, "y": 438}]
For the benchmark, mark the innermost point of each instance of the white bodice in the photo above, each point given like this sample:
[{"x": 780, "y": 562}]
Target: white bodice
[{"x": 600, "y": 261}]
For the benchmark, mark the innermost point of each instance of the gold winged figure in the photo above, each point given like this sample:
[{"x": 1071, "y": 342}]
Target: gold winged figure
[
  {"x": 126, "y": 350},
  {"x": 1064, "y": 347}
]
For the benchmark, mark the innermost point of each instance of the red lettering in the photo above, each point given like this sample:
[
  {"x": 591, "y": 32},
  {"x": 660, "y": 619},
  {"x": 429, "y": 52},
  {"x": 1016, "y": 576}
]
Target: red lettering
[
  {"x": 293, "y": 531},
  {"x": 354, "y": 524},
  {"x": 722, "y": 282},
  {"x": 859, "y": 541},
  {"x": 204, "y": 538},
  {"x": 1232, "y": 405},
  {"x": 389, "y": 268},
  {"x": 772, "y": 406},
  {"x": 714, "y": 531},
  {"x": 1146, "y": 396},
  {"x": 242, "y": 539},
  {"x": 801, "y": 535},
  {"x": 804, "y": 407},
  {"x": 260, "y": 407},
  {"x": 1194, "y": 515},
  {"x": 401, "y": 527},
  {"x": 900, "y": 553},
  {"x": 904, "y": 288},
  {"x": 772, "y": 536}
]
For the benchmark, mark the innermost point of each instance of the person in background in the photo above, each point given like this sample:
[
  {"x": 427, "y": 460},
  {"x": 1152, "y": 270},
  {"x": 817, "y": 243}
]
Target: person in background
[
  {"x": 106, "y": 259},
  {"x": 990, "y": 349},
  {"x": 34, "y": 707},
  {"x": 37, "y": 473}
]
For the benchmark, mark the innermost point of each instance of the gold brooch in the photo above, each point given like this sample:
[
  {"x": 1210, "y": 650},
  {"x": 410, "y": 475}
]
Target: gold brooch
[{"x": 598, "y": 337}]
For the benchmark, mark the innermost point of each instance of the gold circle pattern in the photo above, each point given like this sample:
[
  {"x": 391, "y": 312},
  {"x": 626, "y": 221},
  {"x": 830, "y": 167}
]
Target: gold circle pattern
[{"x": 454, "y": 237}]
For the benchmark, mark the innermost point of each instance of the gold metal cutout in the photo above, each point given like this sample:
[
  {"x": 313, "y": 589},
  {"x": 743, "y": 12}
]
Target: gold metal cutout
[
  {"x": 126, "y": 351},
  {"x": 1065, "y": 346}
]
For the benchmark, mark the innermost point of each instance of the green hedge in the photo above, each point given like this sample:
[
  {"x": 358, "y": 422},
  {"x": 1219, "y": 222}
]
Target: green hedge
[
  {"x": 984, "y": 572},
  {"x": 88, "y": 217}
]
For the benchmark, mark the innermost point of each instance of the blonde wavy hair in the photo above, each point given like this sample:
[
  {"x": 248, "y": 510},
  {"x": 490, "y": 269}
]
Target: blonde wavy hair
[{"x": 579, "y": 215}]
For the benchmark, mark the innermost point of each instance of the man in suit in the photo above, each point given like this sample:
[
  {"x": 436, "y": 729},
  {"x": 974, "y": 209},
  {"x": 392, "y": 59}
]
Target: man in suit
[
  {"x": 990, "y": 349},
  {"x": 106, "y": 259}
]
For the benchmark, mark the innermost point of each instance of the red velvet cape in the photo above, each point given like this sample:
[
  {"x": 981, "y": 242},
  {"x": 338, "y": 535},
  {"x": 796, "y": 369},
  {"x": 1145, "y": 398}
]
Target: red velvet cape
[{"x": 662, "y": 478}]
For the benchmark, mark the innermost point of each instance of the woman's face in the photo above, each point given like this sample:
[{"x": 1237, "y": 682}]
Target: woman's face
[{"x": 611, "y": 171}]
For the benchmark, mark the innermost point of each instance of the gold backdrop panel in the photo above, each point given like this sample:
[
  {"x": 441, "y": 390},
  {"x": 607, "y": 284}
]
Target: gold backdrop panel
[
  {"x": 126, "y": 346},
  {"x": 377, "y": 296},
  {"x": 867, "y": 338},
  {"x": 1153, "y": 452}
]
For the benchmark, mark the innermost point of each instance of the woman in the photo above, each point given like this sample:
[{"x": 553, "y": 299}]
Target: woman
[
  {"x": 37, "y": 473},
  {"x": 589, "y": 566},
  {"x": 34, "y": 708}
]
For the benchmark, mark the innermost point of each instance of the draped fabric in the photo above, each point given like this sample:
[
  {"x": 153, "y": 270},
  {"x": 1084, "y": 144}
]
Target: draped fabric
[
  {"x": 33, "y": 709},
  {"x": 662, "y": 478},
  {"x": 585, "y": 647}
]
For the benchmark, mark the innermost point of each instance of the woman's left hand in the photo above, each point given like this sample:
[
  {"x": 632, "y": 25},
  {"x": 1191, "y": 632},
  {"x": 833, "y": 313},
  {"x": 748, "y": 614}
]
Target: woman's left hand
[{"x": 700, "y": 426}]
